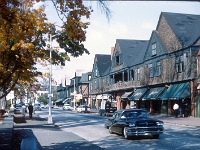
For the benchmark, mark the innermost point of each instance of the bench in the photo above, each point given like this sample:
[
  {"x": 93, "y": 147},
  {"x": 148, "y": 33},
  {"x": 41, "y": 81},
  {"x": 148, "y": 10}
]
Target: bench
[{"x": 28, "y": 144}]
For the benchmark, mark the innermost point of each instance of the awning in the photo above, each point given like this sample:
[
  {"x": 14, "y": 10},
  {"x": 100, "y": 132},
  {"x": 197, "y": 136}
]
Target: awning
[
  {"x": 126, "y": 95},
  {"x": 138, "y": 94},
  {"x": 154, "y": 93},
  {"x": 177, "y": 91}
]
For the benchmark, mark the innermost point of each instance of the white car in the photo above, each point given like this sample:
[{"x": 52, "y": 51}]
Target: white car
[
  {"x": 83, "y": 108},
  {"x": 67, "y": 107}
]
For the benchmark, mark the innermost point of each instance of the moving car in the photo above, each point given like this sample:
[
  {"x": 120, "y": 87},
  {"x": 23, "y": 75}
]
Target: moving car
[
  {"x": 37, "y": 106},
  {"x": 133, "y": 122},
  {"x": 83, "y": 108},
  {"x": 67, "y": 107}
]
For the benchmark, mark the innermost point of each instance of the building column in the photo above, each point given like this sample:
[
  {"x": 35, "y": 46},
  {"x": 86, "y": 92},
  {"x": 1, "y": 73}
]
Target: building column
[{"x": 194, "y": 92}]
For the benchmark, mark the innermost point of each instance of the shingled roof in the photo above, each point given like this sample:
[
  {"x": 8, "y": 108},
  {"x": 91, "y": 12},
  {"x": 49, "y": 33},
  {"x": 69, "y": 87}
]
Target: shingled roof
[
  {"x": 84, "y": 77},
  {"x": 133, "y": 51},
  {"x": 186, "y": 27},
  {"x": 103, "y": 62}
]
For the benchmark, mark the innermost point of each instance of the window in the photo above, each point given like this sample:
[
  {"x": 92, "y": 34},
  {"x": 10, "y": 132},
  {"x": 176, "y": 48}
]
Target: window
[
  {"x": 151, "y": 70},
  {"x": 95, "y": 84},
  {"x": 132, "y": 75},
  {"x": 96, "y": 72},
  {"x": 138, "y": 74},
  {"x": 158, "y": 69},
  {"x": 89, "y": 77},
  {"x": 180, "y": 63},
  {"x": 117, "y": 60},
  {"x": 153, "y": 49}
]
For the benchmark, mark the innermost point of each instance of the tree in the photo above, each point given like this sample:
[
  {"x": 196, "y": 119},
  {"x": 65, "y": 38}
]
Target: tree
[
  {"x": 43, "y": 98},
  {"x": 23, "y": 39}
]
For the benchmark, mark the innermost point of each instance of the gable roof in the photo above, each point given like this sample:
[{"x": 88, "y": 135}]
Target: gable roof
[
  {"x": 103, "y": 62},
  {"x": 185, "y": 27},
  {"x": 133, "y": 51}
]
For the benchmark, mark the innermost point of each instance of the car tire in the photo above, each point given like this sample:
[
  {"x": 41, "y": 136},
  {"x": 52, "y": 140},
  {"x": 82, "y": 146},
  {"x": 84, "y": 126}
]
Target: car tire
[
  {"x": 125, "y": 133},
  {"x": 110, "y": 131},
  {"x": 156, "y": 136}
]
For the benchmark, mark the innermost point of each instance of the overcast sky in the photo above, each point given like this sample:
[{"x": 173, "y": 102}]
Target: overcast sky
[{"x": 130, "y": 20}]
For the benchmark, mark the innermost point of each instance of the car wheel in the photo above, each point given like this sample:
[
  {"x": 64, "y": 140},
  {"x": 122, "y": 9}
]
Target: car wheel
[
  {"x": 110, "y": 131},
  {"x": 125, "y": 133},
  {"x": 156, "y": 136}
]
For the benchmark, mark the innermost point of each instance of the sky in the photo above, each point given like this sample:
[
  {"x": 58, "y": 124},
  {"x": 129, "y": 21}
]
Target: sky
[{"x": 129, "y": 20}]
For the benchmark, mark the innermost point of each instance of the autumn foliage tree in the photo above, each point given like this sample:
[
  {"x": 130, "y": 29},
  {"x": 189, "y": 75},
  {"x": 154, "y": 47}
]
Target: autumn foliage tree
[{"x": 23, "y": 39}]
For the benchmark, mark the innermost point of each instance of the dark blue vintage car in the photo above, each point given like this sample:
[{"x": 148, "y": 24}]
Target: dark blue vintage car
[{"x": 133, "y": 122}]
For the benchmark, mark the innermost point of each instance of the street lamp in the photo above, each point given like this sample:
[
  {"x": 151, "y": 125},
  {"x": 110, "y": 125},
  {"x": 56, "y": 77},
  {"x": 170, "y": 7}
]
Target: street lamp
[{"x": 50, "y": 78}]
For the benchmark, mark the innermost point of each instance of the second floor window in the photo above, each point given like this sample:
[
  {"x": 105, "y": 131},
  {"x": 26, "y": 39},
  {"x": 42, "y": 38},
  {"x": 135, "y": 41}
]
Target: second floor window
[
  {"x": 132, "y": 75},
  {"x": 180, "y": 63},
  {"x": 153, "y": 49},
  {"x": 158, "y": 69},
  {"x": 138, "y": 74},
  {"x": 151, "y": 70}
]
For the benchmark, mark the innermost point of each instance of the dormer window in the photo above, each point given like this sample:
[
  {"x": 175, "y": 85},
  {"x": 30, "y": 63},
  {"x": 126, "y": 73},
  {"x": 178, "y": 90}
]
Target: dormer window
[
  {"x": 117, "y": 60},
  {"x": 96, "y": 72},
  {"x": 153, "y": 49}
]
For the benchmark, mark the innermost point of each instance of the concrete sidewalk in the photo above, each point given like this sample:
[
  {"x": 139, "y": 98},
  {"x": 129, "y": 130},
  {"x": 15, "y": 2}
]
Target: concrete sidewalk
[
  {"x": 180, "y": 121},
  {"x": 49, "y": 136}
]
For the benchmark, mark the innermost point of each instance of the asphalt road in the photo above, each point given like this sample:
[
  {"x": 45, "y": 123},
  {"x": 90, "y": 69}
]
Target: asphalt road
[{"x": 91, "y": 128}]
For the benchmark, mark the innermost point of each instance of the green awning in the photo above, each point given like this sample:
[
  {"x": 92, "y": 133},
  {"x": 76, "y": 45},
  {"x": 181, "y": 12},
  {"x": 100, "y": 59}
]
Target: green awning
[
  {"x": 138, "y": 94},
  {"x": 126, "y": 95},
  {"x": 177, "y": 91},
  {"x": 153, "y": 93}
]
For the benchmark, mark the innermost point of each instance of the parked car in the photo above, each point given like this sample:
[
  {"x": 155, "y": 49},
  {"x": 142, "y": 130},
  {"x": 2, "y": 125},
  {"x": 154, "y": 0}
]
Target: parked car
[
  {"x": 133, "y": 122},
  {"x": 67, "y": 107},
  {"x": 83, "y": 108},
  {"x": 37, "y": 106}
]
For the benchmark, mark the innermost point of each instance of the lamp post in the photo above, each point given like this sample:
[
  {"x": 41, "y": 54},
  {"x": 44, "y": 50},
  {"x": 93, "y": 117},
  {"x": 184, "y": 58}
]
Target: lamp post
[{"x": 50, "y": 78}]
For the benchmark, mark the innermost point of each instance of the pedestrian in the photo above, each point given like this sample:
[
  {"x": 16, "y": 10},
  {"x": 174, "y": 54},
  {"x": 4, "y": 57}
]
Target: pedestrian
[
  {"x": 23, "y": 109},
  {"x": 30, "y": 109},
  {"x": 176, "y": 107}
]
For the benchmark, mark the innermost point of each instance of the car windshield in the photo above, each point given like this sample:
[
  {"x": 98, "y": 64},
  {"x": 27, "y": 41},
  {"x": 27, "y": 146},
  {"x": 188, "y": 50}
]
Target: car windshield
[{"x": 136, "y": 114}]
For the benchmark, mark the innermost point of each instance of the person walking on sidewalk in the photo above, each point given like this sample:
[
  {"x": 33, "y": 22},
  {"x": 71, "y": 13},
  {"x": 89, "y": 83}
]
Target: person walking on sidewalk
[
  {"x": 30, "y": 110},
  {"x": 176, "y": 107}
]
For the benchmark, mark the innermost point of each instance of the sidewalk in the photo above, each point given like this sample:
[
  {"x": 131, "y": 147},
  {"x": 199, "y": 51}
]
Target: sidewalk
[
  {"x": 180, "y": 121},
  {"x": 49, "y": 136}
]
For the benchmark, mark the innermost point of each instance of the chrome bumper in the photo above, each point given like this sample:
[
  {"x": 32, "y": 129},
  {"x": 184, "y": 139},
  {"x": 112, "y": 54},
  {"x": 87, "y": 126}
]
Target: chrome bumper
[{"x": 136, "y": 131}]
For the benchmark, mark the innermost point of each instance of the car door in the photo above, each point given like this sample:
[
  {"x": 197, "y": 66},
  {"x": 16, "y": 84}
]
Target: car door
[
  {"x": 118, "y": 123},
  {"x": 110, "y": 121}
]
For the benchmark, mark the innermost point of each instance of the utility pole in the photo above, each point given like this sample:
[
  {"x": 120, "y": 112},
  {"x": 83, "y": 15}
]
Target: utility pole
[{"x": 50, "y": 121}]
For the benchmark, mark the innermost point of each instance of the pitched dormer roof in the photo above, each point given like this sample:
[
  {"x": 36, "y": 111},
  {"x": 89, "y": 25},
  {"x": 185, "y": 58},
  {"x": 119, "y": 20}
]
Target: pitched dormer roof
[{"x": 103, "y": 62}]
